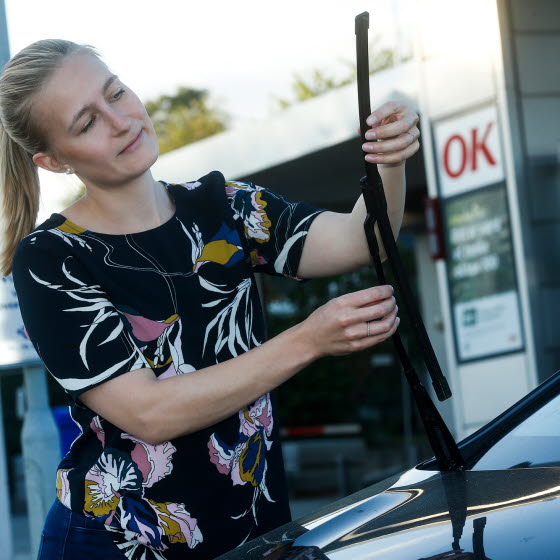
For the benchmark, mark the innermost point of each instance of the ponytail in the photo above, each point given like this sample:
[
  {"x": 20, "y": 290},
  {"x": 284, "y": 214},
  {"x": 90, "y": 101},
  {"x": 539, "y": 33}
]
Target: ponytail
[
  {"x": 20, "y": 197},
  {"x": 21, "y": 81}
]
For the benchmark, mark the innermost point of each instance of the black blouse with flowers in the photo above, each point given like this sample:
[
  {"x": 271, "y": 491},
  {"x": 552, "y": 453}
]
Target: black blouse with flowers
[{"x": 176, "y": 298}]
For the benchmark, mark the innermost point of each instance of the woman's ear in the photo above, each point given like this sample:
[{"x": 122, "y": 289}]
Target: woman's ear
[{"x": 49, "y": 162}]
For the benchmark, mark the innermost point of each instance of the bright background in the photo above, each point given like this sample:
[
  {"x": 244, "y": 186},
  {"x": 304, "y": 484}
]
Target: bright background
[{"x": 245, "y": 53}]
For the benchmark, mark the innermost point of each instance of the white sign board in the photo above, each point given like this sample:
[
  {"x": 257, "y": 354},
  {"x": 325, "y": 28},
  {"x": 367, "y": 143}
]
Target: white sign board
[
  {"x": 469, "y": 153},
  {"x": 15, "y": 347},
  {"x": 488, "y": 325},
  {"x": 479, "y": 248}
]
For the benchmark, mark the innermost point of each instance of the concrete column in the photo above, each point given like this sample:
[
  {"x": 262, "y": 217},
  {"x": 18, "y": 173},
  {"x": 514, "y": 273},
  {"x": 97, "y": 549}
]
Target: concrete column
[
  {"x": 40, "y": 442},
  {"x": 6, "y": 550}
]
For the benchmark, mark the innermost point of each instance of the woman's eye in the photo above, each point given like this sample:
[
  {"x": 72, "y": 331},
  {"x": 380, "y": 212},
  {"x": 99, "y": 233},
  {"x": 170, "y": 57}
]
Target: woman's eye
[
  {"x": 118, "y": 94},
  {"x": 114, "y": 97},
  {"x": 89, "y": 124}
]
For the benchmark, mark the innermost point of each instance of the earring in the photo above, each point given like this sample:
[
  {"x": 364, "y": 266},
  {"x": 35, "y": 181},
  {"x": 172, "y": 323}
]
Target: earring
[{"x": 69, "y": 171}]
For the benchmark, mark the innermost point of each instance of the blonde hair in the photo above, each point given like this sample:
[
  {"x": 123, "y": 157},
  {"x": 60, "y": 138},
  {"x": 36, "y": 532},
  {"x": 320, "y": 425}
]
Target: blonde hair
[{"x": 21, "y": 138}]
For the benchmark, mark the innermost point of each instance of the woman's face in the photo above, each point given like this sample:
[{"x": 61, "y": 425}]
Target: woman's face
[{"x": 90, "y": 117}]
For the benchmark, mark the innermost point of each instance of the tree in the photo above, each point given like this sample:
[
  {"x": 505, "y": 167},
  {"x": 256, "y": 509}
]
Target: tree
[
  {"x": 184, "y": 117},
  {"x": 318, "y": 82}
]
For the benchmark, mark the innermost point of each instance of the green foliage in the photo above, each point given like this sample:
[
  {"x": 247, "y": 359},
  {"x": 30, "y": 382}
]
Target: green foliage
[
  {"x": 318, "y": 82},
  {"x": 184, "y": 117}
]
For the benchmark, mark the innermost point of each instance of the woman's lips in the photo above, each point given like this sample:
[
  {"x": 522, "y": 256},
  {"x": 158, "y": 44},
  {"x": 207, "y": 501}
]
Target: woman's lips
[{"x": 134, "y": 144}]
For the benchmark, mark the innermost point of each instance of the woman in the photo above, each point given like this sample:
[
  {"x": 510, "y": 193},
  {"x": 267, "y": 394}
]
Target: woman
[{"x": 141, "y": 281}]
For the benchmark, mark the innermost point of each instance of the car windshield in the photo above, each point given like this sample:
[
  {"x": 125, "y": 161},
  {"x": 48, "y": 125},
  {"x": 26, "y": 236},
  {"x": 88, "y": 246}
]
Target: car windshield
[{"x": 533, "y": 443}]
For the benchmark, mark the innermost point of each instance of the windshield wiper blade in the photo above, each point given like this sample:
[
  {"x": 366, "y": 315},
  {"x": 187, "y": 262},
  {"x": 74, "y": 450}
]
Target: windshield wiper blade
[{"x": 445, "y": 449}]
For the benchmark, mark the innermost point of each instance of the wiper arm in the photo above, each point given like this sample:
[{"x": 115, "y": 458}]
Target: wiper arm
[{"x": 445, "y": 449}]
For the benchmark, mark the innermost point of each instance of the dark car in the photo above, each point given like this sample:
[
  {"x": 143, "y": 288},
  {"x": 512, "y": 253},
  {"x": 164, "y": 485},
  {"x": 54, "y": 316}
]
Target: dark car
[{"x": 503, "y": 505}]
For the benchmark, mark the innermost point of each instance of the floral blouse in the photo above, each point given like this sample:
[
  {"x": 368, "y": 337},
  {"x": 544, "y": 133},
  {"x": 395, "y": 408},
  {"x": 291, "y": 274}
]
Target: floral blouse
[{"x": 176, "y": 298}]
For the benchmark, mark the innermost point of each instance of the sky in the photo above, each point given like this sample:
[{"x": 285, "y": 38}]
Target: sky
[{"x": 244, "y": 53}]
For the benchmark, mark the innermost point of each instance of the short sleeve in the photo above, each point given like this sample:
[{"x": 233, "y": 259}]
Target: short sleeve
[
  {"x": 275, "y": 228},
  {"x": 76, "y": 331}
]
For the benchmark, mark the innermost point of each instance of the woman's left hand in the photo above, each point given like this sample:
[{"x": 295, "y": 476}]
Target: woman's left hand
[{"x": 393, "y": 136}]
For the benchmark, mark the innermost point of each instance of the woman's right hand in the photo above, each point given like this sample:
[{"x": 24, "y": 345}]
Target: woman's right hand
[{"x": 340, "y": 326}]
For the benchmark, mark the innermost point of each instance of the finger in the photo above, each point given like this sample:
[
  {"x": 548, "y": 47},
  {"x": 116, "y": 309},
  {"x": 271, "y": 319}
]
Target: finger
[
  {"x": 382, "y": 326},
  {"x": 381, "y": 337},
  {"x": 389, "y": 333},
  {"x": 367, "y": 296},
  {"x": 376, "y": 311},
  {"x": 399, "y": 125},
  {"x": 401, "y": 142},
  {"x": 395, "y": 157},
  {"x": 386, "y": 110},
  {"x": 369, "y": 341},
  {"x": 359, "y": 329}
]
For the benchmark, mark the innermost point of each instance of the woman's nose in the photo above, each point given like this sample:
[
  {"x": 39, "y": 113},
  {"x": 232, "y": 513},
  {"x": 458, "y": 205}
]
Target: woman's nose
[{"x": 119, "y": 120}]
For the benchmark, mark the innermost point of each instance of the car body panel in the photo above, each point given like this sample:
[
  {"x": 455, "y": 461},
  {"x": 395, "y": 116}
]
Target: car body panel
[
  {"x": 507, "y": 511},
  {"x": 509, "y": 514},
  {"x": 506, "y": 514}
]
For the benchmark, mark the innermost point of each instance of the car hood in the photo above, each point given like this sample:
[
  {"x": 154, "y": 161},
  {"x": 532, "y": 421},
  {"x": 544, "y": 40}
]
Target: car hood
[{"x": 510, "y": 514}]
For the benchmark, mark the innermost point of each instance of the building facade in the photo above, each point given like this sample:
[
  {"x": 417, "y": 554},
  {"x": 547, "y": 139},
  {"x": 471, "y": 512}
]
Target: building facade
[{"x": 484, "y": 81}]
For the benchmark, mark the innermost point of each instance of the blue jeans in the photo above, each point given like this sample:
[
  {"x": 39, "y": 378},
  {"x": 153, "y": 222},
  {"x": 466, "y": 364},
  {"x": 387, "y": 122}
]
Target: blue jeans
[{"x": 70, "y": 536}]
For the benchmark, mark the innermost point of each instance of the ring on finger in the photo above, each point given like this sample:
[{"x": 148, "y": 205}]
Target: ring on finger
[{"x": 368, "y": 328}]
